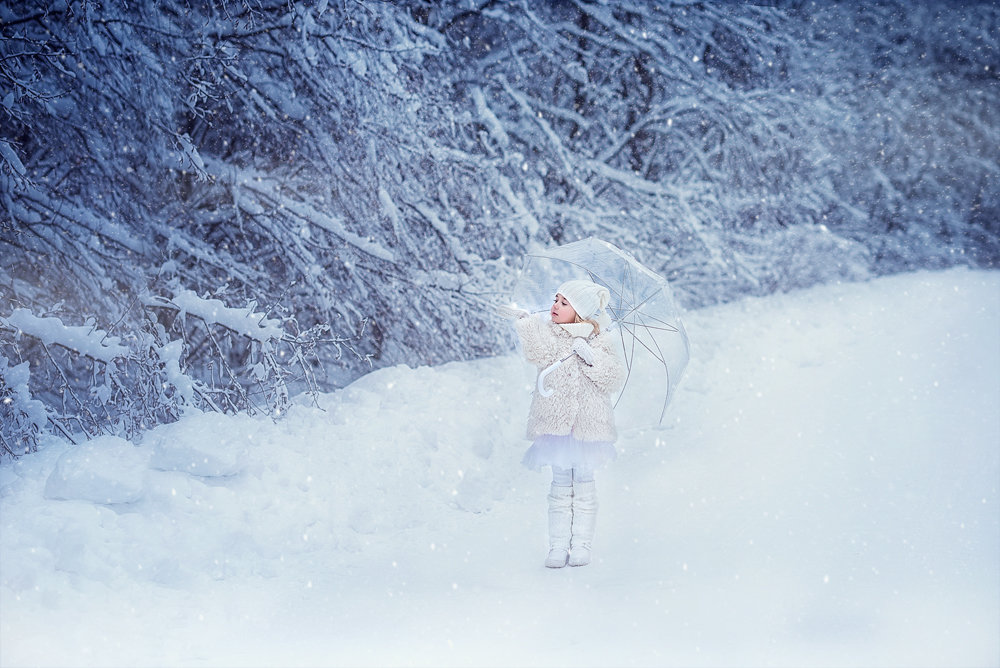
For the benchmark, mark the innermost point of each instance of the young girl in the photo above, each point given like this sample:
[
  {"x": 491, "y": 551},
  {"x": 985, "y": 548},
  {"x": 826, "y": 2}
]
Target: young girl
[{"x": 573, "y": 429}]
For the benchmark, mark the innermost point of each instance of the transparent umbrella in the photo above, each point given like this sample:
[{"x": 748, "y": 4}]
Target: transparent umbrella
[{"x": 647, "y": 321}]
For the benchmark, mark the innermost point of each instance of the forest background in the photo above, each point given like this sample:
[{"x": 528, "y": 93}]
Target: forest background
[{"x": 217, "y": 205}]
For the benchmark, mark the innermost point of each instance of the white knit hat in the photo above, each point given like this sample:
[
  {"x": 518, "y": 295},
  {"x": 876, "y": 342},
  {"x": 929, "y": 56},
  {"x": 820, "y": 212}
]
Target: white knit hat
[{"x": 588, "y": 299}]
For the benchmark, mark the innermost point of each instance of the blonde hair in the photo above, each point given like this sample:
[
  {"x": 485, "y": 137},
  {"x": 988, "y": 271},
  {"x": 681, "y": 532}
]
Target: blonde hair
[{"x": 589, "y": 321}]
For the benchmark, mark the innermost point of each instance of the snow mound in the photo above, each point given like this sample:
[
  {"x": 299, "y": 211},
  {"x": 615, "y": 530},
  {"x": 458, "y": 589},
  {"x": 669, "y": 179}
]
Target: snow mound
[
  {"x": 182, "y": 446},
  {"x": 106, "y": 470},
  {"x": 824, "y": 491}
]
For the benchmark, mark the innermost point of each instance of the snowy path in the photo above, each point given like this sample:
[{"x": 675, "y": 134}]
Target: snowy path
[{"x": 827, "y": 493}]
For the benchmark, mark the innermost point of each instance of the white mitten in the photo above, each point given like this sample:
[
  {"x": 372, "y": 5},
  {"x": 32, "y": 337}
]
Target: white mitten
[
  {"x": 511, "y": 312},
  {"x": 583, "y": 349}
]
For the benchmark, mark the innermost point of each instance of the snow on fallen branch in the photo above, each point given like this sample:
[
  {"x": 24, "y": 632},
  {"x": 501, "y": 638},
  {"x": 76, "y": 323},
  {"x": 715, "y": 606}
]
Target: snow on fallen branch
[
  {"x": 84, "y": 339},
  {"x": 23, "y": 418},
  {"x": 89, "y": 383},
  {"x": 243, "y": 321}
]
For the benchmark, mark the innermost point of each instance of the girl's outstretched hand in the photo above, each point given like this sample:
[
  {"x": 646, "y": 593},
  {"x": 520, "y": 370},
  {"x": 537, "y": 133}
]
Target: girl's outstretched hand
[
  {"x": 511, "y": 312},
  {"x": 583, "y": 349}
]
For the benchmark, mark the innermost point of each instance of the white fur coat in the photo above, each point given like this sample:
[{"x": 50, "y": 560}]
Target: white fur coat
[{"x": 581, "y": 401}]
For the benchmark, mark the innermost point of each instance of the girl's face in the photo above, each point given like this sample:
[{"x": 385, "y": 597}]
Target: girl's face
[{"x": 562, "y": 313}]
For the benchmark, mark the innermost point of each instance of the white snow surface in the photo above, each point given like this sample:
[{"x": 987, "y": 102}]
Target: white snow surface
[{"x": 824, "y": 493}]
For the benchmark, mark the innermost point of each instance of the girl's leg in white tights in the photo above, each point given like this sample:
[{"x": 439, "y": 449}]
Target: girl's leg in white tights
[
  {"x": 562, "y": 477},
  {"x": 568, "y": 477}
]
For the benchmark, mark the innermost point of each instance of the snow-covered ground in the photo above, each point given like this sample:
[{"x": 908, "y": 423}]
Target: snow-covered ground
[{"x": 826, "y": 491}]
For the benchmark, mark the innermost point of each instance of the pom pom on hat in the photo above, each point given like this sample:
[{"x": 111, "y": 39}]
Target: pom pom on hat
[{"x": 587, "y": 298}]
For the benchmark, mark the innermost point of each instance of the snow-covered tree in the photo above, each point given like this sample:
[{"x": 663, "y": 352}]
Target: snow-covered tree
[
  {"x": 906, "y": 96},
  {"x": 369, "y": 174}
]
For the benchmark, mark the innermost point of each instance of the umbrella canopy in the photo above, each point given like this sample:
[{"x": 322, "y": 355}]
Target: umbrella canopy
[{"x": 647, "y": 321}]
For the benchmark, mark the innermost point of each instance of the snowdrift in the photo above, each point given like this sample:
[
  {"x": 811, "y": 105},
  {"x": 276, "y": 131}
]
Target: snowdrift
[{"x": 824, "y": 492}]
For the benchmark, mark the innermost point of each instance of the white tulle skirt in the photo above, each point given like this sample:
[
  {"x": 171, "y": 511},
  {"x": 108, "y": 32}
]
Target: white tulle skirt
[{"x": 566, "y": 452}]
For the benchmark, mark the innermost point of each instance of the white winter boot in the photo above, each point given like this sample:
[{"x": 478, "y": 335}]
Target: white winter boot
[
  {"x": 584, "y": 522},
  {"x": 560, "y": 525}
]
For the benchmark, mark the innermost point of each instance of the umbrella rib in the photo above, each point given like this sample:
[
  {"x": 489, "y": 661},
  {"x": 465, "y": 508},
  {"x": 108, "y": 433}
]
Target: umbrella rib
[
  {"x": 666, "y": 328},
  {"x": 666, "y": 371},
  {"x": 628, "y": 363},
  {"x": 633, "y": 308},
  {"x": 658, "y": 354}
]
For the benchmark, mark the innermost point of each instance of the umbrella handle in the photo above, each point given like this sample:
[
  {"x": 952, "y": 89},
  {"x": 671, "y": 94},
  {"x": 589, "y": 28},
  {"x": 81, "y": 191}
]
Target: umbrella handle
[{"x": 540, "y": 383}]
